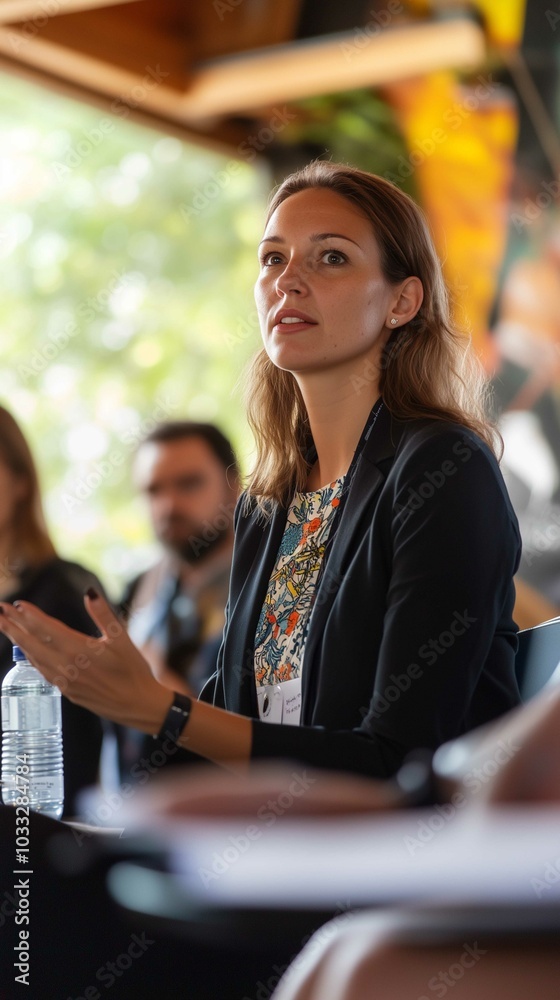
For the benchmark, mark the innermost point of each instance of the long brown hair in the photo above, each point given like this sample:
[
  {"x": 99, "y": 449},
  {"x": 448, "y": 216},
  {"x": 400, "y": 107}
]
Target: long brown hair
[
  {"x": 31, "y": 542},
  {"x": 427, "y": 370}
]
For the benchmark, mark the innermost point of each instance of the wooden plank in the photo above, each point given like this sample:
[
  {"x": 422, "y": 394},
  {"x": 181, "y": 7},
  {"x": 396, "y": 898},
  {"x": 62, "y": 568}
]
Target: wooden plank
[
  {"x": 153, "y": 82},
  {"x": 111, "y": 43},
  {"x": 218, "y": 28},
  {"x": 12, "y": 11},
  {"x": 329, "y": 65},
  {"x": 151, "y": 71}
]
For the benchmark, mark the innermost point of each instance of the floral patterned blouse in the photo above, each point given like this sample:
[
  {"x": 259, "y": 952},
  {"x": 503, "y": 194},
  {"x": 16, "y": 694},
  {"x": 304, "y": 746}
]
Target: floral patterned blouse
[{"x": 283, "y": 622}]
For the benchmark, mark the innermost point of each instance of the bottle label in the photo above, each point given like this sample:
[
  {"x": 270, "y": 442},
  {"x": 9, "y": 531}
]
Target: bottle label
[{"x": 48, "y": 786}]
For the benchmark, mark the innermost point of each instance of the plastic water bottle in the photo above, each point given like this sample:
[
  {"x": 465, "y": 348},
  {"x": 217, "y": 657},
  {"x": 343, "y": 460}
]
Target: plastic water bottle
[{"x": 32, "y": 767}]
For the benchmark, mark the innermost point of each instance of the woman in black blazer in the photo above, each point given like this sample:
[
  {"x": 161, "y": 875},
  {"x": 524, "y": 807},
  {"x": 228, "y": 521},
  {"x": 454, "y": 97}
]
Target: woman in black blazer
[{"x": 371, "y": 598}]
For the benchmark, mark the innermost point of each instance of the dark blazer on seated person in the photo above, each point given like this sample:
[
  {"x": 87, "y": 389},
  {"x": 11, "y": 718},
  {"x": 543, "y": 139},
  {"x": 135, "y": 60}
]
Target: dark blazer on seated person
[{"x": 411, "y": 640}]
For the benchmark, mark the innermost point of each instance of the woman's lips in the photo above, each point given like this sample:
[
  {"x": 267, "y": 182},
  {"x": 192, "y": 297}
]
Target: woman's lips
[
  {"x": 288, "y": 321},
  {"x": 293, "y": 327}
]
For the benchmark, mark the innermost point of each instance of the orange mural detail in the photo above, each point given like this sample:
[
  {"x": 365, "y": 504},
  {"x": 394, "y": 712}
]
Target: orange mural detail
[
  {"x": 461, "y": 143},
  {"x": 503, "y": 19}
]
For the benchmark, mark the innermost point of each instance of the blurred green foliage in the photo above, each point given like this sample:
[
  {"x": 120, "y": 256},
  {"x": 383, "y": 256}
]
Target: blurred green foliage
[
  {"x": 357, "y": 127},
  {"x": 121, "y": 303}
]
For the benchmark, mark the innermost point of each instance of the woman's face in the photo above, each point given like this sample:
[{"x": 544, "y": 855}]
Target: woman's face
[{"x": 321, "y": 296}]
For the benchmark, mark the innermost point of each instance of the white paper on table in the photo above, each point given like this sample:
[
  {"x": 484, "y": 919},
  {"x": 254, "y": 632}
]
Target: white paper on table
[{"x": 503, "y": 856}]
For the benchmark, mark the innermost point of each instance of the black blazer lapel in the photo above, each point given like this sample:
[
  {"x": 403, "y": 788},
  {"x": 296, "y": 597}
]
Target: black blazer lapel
[
  {"x": 255, "y": 567},
  {"x": 371, "y": 472}
]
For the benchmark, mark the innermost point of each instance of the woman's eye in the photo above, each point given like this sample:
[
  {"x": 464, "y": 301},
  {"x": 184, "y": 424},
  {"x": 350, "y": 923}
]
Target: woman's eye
[
  {"x": 270, "y": 258},
  {"x": 333, "y": 257}
]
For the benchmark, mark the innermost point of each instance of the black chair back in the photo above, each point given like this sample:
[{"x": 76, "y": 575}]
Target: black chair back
[{"x": 537, "y": 657}]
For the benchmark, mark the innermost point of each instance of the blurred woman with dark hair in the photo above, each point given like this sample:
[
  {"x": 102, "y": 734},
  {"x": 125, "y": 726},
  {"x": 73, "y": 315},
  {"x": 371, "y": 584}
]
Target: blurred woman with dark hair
[{"x": 31, "y": 570}]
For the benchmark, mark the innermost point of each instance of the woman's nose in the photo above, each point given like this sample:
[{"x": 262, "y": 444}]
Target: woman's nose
[{"x": 292, "y": 278}]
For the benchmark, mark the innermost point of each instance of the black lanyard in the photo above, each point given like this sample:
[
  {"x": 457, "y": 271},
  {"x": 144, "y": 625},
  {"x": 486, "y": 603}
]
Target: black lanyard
[{"x": 370, "y": 424}]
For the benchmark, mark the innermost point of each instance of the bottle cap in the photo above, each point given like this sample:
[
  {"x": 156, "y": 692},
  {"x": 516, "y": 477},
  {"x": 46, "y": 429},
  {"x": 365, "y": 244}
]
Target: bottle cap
[{"x": 18, "y": 654}]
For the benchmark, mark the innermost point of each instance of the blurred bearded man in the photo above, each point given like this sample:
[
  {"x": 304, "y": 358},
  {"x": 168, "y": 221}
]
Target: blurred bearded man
[{"x": 188, "y": 473}]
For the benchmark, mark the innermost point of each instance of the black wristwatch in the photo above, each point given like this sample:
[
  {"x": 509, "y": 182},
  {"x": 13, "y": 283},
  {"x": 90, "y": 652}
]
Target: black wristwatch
[{"x": 176, "y": 718}]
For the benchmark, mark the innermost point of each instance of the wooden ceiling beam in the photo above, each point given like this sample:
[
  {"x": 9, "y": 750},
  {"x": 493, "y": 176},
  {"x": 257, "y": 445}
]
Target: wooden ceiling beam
[
  {"x": 13, "y": 11},
  {"x": 331, "y": 64},
  {"x": 107, "y": 41},
  {"x": 217, "y": 29},
  {"x": 96, "y": 57},
  {"x": 154, "y": 73}
]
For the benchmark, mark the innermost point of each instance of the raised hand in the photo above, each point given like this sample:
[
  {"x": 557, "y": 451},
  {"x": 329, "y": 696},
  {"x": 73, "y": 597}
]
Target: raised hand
[{"x": 108, "y": 674}]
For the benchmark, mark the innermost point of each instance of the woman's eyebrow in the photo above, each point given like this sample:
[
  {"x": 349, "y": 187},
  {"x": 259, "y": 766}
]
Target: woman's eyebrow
[{"x": 315, "y": 238}]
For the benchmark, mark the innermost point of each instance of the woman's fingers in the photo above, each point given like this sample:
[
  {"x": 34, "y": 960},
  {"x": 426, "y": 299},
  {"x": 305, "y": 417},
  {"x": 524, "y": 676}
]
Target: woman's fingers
[
  {"x": 98, "y": 673},
  {"x": 110, "y": 626},
  {"x": 25, "y": 620},
  {"x": 41, "y": 649},
  {"x": 50, "y": 631},
  {"x": 49, "y": 644},
  {"x": 36, "y": 622},
  {"x": 12, "y": 628},
  {"x": 42, "y": 625}
]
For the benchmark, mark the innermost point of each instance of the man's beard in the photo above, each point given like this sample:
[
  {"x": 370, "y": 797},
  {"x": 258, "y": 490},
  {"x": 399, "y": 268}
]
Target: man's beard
[{"x": 195, "y": 549}]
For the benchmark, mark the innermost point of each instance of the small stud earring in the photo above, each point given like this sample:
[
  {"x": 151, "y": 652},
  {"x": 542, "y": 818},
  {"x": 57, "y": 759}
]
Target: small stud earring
[{"x": 393, "y": 321}]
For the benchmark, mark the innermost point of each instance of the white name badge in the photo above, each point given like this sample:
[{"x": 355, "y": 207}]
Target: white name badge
[{"x": 280, "y": 702}]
